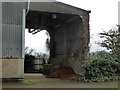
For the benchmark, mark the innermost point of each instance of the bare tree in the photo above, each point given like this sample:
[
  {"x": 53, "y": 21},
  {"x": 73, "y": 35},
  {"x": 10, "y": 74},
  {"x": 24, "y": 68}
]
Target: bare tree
[{"x": 112, "y": 40}]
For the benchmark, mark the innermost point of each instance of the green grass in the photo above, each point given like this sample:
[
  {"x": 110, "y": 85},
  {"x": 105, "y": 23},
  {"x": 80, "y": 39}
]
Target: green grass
[
  {"x": 114, "y": 84},
  {"x": 29, "y": 82},
  {"x": 41, "y": 81},
  {"x": 36, "y": 81}
]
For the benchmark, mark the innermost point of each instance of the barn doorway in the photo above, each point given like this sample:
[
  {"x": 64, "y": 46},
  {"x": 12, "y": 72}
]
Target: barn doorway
[
  {"x": 36, "y": 50},
  {"x": 66, "y": 35}
]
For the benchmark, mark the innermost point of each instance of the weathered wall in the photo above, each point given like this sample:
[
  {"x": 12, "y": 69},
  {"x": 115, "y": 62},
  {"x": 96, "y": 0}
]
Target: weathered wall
[{"x": 71, "y": 44}]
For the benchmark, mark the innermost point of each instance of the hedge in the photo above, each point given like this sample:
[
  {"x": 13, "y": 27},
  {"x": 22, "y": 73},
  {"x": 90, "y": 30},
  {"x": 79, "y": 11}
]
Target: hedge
[{"x": 105, "y": 68}]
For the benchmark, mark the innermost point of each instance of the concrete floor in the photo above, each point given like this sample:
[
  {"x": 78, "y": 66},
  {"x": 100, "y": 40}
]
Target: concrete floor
[{"x": 39, "y": 81}]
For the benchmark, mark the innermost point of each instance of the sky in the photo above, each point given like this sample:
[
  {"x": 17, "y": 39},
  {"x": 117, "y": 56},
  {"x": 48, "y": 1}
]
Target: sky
[
  {"x": 36, "y": 42},
  {"x": 103, "y": 17}
]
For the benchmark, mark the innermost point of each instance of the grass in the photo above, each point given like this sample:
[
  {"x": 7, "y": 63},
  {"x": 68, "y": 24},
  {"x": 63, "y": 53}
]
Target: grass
[
  {"x": 36, "y": 81},
  {"x": 41, "y": 81},
  {"x": 114, "y": 84},
  {"x": 29, "y": 82}
]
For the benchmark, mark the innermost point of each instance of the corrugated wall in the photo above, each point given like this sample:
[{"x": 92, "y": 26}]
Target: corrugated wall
[
  {"x": 12, "y": 12},
  {"x": 12, "y": 41},
  {"x": 12, "y": 29}
]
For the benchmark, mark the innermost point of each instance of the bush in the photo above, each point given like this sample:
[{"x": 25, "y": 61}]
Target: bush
[
  {"x": 102, "y": 79},
  {"x": 101, "y": 68},
  {"x": 47, "y": 69},
  {"x": 29, "y": 63}
]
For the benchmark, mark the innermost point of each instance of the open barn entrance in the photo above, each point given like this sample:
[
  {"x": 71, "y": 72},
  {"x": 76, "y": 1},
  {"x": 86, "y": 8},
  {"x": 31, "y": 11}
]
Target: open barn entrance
[
  {"x": 36, "y": 50},
  {"x": 66, "y": 32}
]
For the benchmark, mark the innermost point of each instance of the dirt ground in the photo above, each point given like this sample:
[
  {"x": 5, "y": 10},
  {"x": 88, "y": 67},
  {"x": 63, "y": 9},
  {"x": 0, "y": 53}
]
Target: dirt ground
[{"x": 39, "y": 81}]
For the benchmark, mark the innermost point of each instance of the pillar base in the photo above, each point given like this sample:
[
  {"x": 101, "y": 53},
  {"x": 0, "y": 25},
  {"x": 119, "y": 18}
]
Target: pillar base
[{"x": 12, "y": 69}]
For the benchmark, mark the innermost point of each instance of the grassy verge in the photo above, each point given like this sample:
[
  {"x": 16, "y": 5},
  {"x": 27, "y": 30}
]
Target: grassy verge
[{"x": 114, "y": 84}]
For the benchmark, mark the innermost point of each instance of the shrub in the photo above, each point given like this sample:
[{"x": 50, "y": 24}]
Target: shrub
[
  {"x": 101, "y": 68},
  {"x": 29, "y": 63}
]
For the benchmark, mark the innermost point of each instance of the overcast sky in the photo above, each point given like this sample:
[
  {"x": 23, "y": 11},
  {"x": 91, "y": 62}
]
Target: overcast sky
[{"x": 103, "y": 16}]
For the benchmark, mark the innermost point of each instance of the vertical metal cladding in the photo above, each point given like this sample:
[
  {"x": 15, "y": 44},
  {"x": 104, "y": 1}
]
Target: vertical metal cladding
[
  {"x": 12, "y": 41},
  {"x": 12, "y": 12},
  {"x": 12, "y": 29}
]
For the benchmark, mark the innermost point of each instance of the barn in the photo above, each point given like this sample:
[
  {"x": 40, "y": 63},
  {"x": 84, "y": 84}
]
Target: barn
[{"x": 67, "y": 25}]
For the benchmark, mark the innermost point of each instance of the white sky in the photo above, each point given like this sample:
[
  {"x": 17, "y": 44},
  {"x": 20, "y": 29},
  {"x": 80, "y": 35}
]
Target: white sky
[
  {"x": 36, "y": 41},
  {"x": 103, "y": 16}
]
